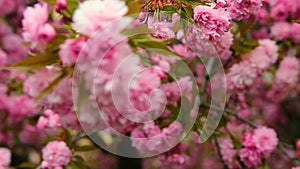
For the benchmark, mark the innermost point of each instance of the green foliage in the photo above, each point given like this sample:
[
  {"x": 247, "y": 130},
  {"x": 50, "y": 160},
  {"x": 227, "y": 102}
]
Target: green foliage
[
  {"x": 138, "y": 30},
  {"x": 34, "y": 62},
  {"x": 26, "y": 165},
  {"x": 192, "y": 3},
  {"x": 77, "y": 163},
  {"x": 243, "y": 47},
  {"x": 51, "y": 2},
  {"x": 134, "y": 6},
  {"x": 85, "y": 148}
]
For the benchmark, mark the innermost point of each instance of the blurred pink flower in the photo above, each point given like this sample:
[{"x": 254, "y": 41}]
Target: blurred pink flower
[
  {"x": 3, "y": 57},
  {"x": 265, "y": 140},
  {"x": 263, "y": 56},
  {"x": 250, "y": 157},
  {"x": 56, "y": 154},
  {"x": 247, "y": 140},
  {"x": 70, "y": 50},
  {"x": 229, "y": 153},
  {"x": 8, "y": 6},
  {"x": 243, "y": 9},
  {"x": 241, "y": 76},
  {"x": 14, "y": 47},
  {"x": 5, "y": 158},
  {"x": 287, "y": 74},
  {"x": 281, "y": 30},
  {"x": 60, "y": 5},
  {"x": 213, "y": 22},
  {"x": 35, "y": 26},
  {"x": 50, "y": 120},
  {"x": 92, "y": 15}
]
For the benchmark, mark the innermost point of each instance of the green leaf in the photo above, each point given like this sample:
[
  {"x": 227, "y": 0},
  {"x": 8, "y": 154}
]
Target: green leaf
[
  {"x": 141, "y": 29},
  {"x": 168, "y": 10},
  {"x": 134, "y": 7},
  {"x": 244, "y": 47},
  {"x": 34, "y": 62},
  {"x": 26, "y": 165},
  {"x": 51, "y": 2},
  {"x": 72, "y": 5},
  {"x": 53, "y": 45},
  {"x": 85, "y": 148},
  {"x": 77, "y": 165},
  {"x": 79, "y": 158},
  {"x": 193, "y": 3},
  {"x": 68, "y": 137}
]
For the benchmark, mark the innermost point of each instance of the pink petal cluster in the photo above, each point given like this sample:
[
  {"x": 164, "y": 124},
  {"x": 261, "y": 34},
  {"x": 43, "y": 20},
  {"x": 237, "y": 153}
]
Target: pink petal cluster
[
  {"x": 282, "y": 9},
  {"x": 14, "y": 48},
  {"x": 60, "y": 5},
  {"x": 174, "y": 159},
  {"x": 287, "y": 74},
  {"x": 243, "y": 75},
  {"x": 3, "y": 57},
  {"x": 265, "y": 139},
  {"x": 56, "y": 154},
  {"x": 257, "y": 145},
  {"x": 175, "y": 90},
  {"x": 250, "y": 157},
  {"x": 213, "y": 22},
  {"x": 93, "y": 15},
  {"x": 18, "y": 106},
  {"x": 8, "y": 6},
  {"x": 58, "y": 99},
  {"x": 50, "y": 120},
  {"x": 263, "y": 56},
  {"x": 36, "y": 28},
  {"x": 229, "y": 153},
  {"x": 155, "y": 139},
  {"x": 70, "y": 50},
  {"x": 285, "y": 30},
  {"x": 240, "y": 9},
  {"x": 5, "y": 158}
]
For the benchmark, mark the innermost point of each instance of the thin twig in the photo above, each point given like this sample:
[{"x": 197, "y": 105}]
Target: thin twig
[
  {"x": 230, "y": 112},
  {"x": 219, "y": 151}
]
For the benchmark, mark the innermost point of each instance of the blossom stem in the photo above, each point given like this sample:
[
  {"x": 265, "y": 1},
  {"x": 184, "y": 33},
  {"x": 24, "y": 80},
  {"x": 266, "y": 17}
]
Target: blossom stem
[
  {"x": 219, "y": 151},
  {"x": 230, "y": 112}
]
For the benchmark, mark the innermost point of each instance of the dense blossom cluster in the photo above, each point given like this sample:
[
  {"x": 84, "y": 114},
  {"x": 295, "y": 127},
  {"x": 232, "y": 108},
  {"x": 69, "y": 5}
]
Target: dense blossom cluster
[{"x": 138, "y": 65}]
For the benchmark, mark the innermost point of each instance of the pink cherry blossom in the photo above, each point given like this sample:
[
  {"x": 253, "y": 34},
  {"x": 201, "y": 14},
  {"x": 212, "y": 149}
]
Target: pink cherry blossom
[
  {"x": 213, "y": 22},
  {"x": 70, "y": 50},
  {"x": 265, "y": 139},
  {"x": 228, "y": 153},
  {"x": 240, "y": 9},
  {"x": 35, "y": 26},
  {"x": 56, "y": 154},
  {"x": 250, "y": 157},
  {"x": 95, "y": 14},
  {"x": 241, "y": 76},
  {"x": 50, "y": 120},
  {"x": 287, "y": 74}
]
